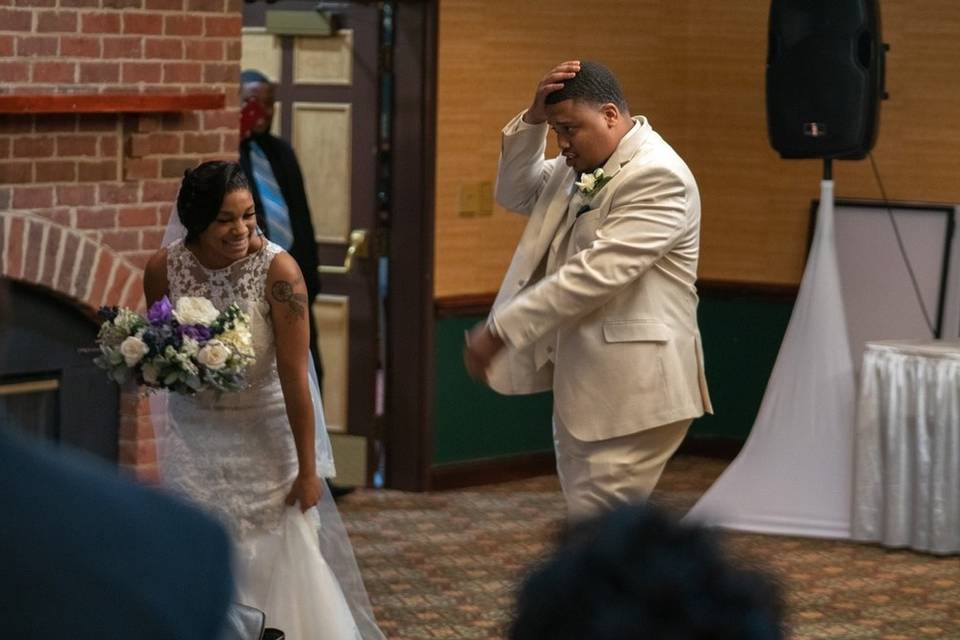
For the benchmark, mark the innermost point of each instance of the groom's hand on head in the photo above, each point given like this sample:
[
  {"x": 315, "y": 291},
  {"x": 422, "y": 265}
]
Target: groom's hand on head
[{"x": 553, "y": 81}]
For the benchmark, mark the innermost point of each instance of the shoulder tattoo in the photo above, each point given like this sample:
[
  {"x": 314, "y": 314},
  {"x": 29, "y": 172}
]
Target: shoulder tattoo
[{"x": 283, "y": 293}]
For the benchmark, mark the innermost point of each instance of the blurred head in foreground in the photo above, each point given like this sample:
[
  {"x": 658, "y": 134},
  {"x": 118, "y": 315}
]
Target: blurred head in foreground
[{"x": 636, "y": 574}]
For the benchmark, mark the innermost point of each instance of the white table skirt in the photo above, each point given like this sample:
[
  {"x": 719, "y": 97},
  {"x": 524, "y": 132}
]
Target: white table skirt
[{"x": 906, "y": 489}]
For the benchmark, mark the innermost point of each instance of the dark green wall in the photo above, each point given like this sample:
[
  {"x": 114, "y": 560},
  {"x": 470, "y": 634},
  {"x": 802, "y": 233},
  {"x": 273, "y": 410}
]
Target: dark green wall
[
  {"x": 741, "y": 336},
  {"x": 470, "y": 420}
]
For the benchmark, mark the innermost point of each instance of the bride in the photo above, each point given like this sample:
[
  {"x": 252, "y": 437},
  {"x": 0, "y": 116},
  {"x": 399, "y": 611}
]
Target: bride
[{"x": 255, "y": 458}]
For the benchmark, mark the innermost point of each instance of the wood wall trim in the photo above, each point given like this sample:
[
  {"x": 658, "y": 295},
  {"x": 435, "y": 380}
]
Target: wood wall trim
[
  {"x": 410, "y": 374},
  {"x": 480, "y": 303},
  {"x": 467, "y": 305},
  {"x": 759, "y": 290},
  {"x": 711, "y": 447},
  {"x": 458, "y": 475},
  {"x": 492, "y": 470},
  {"x": 111, "y": 102}
]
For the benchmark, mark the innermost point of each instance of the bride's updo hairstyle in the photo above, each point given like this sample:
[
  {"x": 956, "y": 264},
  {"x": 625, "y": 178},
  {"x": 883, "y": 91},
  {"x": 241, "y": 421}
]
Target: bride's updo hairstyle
[{"x": 202, "y": 192}]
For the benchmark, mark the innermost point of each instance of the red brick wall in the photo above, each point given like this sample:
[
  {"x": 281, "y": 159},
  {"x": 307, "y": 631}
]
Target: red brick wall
[
  {"x": 113, "y": 177},
  {"x": 84, "y": 198}
]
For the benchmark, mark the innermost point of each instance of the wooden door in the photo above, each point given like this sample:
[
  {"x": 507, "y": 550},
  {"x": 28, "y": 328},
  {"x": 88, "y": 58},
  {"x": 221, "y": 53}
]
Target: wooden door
[{"x": 327, "y": 108}]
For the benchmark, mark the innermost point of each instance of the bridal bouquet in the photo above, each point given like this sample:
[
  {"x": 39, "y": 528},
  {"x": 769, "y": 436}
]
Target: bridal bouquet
[{"x": 188, "y": 348}]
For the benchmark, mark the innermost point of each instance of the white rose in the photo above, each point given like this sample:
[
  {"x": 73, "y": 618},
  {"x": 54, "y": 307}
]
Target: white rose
[
  {"x": 214, "y": 355},
  {"x": 150, "y": 373},
  {"x": 587, "y": 181},
  {"x": 195, "y": 311},
  {"x": 133, "y": 350}
]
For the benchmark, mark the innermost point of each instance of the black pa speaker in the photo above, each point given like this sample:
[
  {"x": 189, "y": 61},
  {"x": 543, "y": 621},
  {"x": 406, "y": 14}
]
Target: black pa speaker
[{"x": 825, "y": 65}]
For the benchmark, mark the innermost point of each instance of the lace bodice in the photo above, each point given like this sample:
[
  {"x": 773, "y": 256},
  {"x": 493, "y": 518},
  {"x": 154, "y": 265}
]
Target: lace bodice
[{"x": 243, "y": 282}]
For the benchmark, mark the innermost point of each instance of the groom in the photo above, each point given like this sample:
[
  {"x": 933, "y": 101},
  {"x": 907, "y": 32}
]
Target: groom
[{"x": 599, "y": 302}]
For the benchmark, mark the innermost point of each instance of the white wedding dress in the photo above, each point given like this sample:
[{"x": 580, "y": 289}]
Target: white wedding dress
[{"x": 234, "y": 454}]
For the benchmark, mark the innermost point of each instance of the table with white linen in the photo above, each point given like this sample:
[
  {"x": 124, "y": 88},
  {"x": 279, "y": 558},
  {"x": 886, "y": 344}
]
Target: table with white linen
[{"x": 906, "y": 486}]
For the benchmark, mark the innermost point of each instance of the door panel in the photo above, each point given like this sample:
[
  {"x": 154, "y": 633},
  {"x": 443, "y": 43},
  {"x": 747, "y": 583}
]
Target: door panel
[
  {"x": 324, "y": 60},
  {"x": 276, "y": 126},
  {"x": 321, "y": 138},
  {"x": 332, "y": 317},
  {"x": 261, "y": 51}
]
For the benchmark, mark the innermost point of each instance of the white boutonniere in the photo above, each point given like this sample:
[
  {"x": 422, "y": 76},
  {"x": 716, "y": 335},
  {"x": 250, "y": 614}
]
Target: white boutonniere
[
  {"x": 590, "y": 183},
  {"x": 588, "y": 186}
]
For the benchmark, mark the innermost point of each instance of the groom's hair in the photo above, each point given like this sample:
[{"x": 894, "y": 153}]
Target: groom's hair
[
  {"x": 638, "y": 573},
  {"x": 594, "y": 83},
  {"x": 202, "y": 192}
]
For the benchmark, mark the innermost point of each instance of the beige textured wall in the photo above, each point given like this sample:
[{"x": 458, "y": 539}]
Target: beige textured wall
[{"x": 696, "y": 69}]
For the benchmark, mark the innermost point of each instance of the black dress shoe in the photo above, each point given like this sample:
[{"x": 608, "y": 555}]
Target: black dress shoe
[{"x": 338, "y": 491}]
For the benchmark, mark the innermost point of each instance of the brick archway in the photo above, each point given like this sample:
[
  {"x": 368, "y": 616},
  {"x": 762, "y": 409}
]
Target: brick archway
[{"x": 41, "y": 252}]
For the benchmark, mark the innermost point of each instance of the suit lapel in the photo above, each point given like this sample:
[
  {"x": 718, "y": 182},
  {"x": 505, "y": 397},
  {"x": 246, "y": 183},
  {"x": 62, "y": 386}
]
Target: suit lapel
[
  {"x": 565, "y": 197},
  {"x": 628, "y": 147},
  {"x": 555, "y": 214}
]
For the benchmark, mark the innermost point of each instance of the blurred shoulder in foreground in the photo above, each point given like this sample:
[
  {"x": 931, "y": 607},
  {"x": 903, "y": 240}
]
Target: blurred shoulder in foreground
[{"x": 88, "y": 554}]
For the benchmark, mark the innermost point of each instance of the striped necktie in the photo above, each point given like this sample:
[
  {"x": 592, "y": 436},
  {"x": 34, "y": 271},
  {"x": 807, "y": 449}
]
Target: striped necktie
[{"x": 274, "y": 206}]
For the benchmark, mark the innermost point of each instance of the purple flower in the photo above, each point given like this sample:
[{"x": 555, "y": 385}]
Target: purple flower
[
  {"x": 198, "y": 332},
  {"x": 160, "y": 312}
]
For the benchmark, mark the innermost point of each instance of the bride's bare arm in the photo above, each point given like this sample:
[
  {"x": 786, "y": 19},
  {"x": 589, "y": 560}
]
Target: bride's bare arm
[
  {"x": 155, "y": 284},
  {"x": 290, "y": 312}
]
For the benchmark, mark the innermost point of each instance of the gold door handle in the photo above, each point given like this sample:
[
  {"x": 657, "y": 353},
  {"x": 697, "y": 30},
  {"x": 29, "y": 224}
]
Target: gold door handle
[{"x": 359, "y": 248}]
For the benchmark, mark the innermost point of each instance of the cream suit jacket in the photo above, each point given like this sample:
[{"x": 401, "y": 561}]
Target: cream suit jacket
[{"x": 611, "y": 325}]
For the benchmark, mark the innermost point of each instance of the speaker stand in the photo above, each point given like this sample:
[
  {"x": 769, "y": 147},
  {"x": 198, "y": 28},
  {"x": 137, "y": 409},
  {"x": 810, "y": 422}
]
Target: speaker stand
[{"x": 794, "y": 474}]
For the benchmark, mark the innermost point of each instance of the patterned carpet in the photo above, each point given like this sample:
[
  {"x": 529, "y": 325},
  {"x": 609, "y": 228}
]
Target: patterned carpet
[{"x": 444, "y": 565}]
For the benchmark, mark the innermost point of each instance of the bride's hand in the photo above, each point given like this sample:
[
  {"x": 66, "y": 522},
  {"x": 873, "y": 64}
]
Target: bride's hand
[{"x": 305, "y": 490}]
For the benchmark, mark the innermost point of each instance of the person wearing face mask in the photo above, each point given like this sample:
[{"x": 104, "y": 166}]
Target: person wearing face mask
[
  {"x": 599, "y": 302},
  {"x": 276, "y": 184}
]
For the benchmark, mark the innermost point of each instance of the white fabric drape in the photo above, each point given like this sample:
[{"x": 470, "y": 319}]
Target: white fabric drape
[
  {"x": 907, "y": 479},
  {"x": 794, "y": 474}
]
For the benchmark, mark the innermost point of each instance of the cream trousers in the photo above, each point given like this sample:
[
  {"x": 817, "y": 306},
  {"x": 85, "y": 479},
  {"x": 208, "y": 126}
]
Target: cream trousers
[{"x": 599, "y": 476}]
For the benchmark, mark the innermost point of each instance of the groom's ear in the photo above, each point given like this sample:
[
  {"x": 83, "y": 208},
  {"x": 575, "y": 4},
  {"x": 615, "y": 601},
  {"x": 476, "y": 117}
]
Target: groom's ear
[{"x": 611, "y": 114}]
